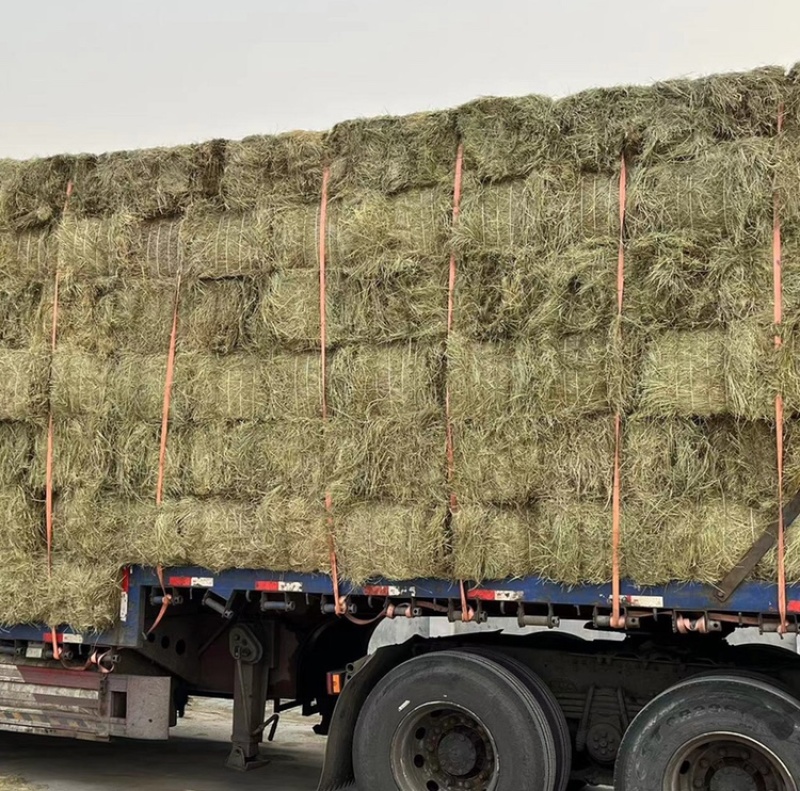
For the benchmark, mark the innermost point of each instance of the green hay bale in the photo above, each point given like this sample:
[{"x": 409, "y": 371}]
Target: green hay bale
[
  {"x": 288, "y": 312},
  {"x": 294, "y": 233},
  {"x": 16, "y": 451},
  {"x": 33, "y": 193},
  {"x": 246, "y": 459},
  {"x": 265, "y": 165},
  {"x": 397, "y": 542},
  {"x": 507, "y": 137},
  {"x": 686, "y": 540},
  {"x": 710, "y": 372},
  {"x": 27, "y": 256},
  {"x": 136, "y": 455},
  {"x": 249, "y": 387},
  {"x": 552, "y": 379},
  {"x": 79, "y": 384},
  {"x": 23, "y": 384},
  {"x": 82, "y": 321},
  {"x": 20, "y": 308},
  {"x": 21, "y": 601},
  {"x": 400, "y": 306},
  {"x": 568, "y": 541},
  {"x": 294, "y": 532},
  {"x": 385, "y": 381},
  {"x": 391, "y": 154},
  {"x": 513, "y": 461},
  {"x": 154, "y": 182},
  {"x": 376, "y": 234},
  {"x": 82, "y": 454},
  {"x": 725, "y": 193},
  {"x": 682, "y": 283},
  {"x": 224, "y": 244},
  {"x": 137, "y": 383},
  {"x": 21, "y": 522},
  {"x": 543, "y": 214},
  {"x": 94, "y": 246},
  {"x": 398, "y": 460},
  {"x": 157, "y": 248},
  {"x": 85, "y": 596}
]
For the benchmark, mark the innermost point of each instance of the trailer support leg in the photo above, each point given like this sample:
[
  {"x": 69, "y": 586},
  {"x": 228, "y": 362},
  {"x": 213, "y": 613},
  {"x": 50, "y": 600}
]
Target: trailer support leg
[{"x": 253, "y": 657}]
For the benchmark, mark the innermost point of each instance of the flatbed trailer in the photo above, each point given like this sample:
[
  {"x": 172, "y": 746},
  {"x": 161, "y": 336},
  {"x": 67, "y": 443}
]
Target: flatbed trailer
[{"x": 477, "y": 710}]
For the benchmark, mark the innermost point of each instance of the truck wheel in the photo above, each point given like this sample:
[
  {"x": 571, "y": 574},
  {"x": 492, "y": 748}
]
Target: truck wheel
[
  {"x": 552, "y": 711},
  {"x": 713, "y": 733},
  {"x": 450, "y": 721}
]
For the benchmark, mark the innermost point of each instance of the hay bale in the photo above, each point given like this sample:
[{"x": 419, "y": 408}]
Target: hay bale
[
  {"x": 687, "y": 540},
  {"x": 267, "y": 165},
  {"x": 158, "y": 248},
  {"x": 136, "y": 458},
  {"x": 726, "y": 192},
  {"x": 288, "y": 314},
  {"x": 246, "y": 459},
  {"x": 26, "y": 257},
  {"x": 137, "y": 382},
  {"x": 385, "y": 381},
  {"x": 82, "y": 454},
  {"x": 21, "y": 601},
  {"x": 517, "y": 461},
  {"x": 85, "y": 596},
  {"x": 224, "y": 244},
  {"x": 294, "y": 532},
  {"x": 16, "y": 451},
  {"x": 94, "y": 246},
  {"x": 392, "y": 541},
  {"x": 79, "y": 384},
  {"x": 393, "y": 459},
  {"x": 249, "y": 387},
  {"x": 375, "y": 234},
  {"x": 508, "y": 137},
  {"x": 563, "y": 540},
  {"x": 550, "y": 379},
  {"x": 710, "y": 372},
  {"x": 33, "y": 192},
  {"x": 154, "y": 182},
  {"x": 23, "y": 384},
  {"x": 391, "y": 154},
  {"x": 21, "y": 522},
  {"x": 20, "y": 308},
  {"x": 295, "y": 234}
]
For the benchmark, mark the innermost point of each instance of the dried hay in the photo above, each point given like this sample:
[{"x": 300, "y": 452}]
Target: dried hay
[
  {"x": 21, "y": 522},
  {"x": 392, "y": 154},
  {"x": 94, "y": 246},
  {"x": 23, "y": 384},
  {"x": 26, "y": 257},
  {"x": 137, "y": 382},
  {"x": 16, "y": 451},
  {"x": 83, "y": 595},
  {"x": 20, "y": 588},
  {"x": 394, "y": 541},
  {"x": 268, "y": 165},
  {"x": 16, "y": 783}
]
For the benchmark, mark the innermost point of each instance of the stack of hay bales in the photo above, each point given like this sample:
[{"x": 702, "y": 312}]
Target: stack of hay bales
[{"x": 536, "y": 367}]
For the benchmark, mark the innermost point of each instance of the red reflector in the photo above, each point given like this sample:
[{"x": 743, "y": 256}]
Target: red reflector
[
  {"x": 48, "y": 637},
  {"x": 271, "y": 586},
  {"x": 376, "y": 590},
  {"x": 335, "y": 683},
  {"x": 180, "y": 582},
  {"x": 794, "y": 606},
  {"x": 126, "y": 579},
  {"x": 484, "y": 595}
]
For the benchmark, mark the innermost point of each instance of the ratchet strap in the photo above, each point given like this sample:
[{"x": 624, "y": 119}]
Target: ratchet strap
[
  {"x": 617, "y": 621},
  {"x": 340, "y": 605},
  {"x": 777, "y": 285},
  {"x": 48, "y": 497}
]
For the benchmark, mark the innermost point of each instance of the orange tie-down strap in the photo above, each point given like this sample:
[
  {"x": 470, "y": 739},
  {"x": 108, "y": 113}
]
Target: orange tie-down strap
[
  {"x": 340, "y": 603},
  {"x": 777, "y": 285},
  {"x": 617, "y": 621}
]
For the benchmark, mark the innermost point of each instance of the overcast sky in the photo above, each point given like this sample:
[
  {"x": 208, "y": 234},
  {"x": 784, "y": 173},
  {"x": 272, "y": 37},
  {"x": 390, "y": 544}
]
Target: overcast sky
[{"x": 94, "y": 75}]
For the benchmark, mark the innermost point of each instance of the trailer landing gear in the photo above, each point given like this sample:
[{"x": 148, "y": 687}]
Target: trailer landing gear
[{"x": 253, "y": 660}]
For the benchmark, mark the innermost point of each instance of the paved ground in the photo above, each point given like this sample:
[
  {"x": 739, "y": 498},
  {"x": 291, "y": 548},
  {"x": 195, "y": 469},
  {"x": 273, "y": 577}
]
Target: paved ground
[{"x": 191, "y": 761}]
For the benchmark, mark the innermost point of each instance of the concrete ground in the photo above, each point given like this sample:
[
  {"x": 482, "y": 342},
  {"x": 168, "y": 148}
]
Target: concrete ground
[{"x": 191, "y": 761}]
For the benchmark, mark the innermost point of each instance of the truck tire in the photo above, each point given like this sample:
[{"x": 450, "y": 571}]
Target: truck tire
[
  {"x": 453, "y": 720},
  {"x": 552, "y": 710},
  {"x": 713, "y": 732}
]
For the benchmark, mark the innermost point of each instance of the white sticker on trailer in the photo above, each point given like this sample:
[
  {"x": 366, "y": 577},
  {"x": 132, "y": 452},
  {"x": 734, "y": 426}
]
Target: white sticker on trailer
[
  {"x": 123, "y": 607},
  {"x": 645, "y": 601},
  {"x": 202, "y": 582},
  {"x": 394, "y": 590},
  {"x": 290, "y": 587},
  {"x": 507, "y": 595},
  {"x": 76, "y": 639}
]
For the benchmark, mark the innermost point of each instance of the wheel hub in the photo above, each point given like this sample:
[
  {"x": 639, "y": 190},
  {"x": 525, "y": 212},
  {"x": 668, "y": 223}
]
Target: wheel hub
[
  {"x": 442, "y": 748},
  {"x": 728, "y": 762}
]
